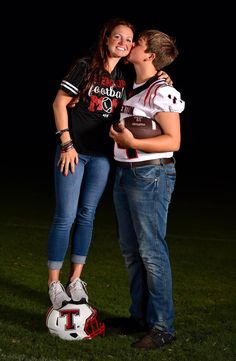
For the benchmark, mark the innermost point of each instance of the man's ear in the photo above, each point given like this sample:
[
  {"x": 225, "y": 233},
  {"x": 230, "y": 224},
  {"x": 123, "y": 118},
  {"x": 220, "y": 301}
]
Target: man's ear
[{"x": 152, "y": 56}]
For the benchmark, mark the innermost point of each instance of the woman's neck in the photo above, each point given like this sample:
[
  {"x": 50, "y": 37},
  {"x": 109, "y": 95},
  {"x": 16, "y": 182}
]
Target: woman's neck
[{"x": 111, "y": 64}]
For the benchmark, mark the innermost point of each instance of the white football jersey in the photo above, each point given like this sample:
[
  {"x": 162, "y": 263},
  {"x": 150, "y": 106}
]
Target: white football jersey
[{"x": 148, "y": 99}]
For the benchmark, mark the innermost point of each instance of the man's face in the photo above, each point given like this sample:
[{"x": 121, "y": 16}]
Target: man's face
[{"x": 137, "y": 53}]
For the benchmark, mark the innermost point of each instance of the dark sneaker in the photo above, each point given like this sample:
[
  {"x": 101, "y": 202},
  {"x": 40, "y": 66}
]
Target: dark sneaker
[
  {"x": 154, "y": 339},
  {"x": 124, "y": 326}
]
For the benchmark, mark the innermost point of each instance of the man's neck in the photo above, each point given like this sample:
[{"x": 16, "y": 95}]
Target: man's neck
[{"x": 144, "y": 73}]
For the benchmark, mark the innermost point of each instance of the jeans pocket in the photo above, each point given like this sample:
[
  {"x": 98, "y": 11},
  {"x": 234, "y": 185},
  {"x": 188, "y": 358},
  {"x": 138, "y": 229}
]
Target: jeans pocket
[{"x": 148, "y": 173}]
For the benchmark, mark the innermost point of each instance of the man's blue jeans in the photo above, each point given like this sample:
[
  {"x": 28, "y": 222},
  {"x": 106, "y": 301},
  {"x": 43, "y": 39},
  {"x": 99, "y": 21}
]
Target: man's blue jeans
[
  {"x": 77, "y": 197},
  {"x": 141, "y": 197}
]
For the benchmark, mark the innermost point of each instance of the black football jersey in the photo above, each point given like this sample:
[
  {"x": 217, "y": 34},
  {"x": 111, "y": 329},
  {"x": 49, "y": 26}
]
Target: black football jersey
[{"x": 91, "y": 118}]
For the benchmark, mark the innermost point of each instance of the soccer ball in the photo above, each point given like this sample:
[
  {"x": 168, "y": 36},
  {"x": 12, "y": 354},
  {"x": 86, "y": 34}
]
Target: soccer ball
[{"x": 74, "y": 322}]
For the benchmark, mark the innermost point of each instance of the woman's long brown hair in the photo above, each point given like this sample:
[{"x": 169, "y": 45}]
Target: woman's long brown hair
[{"x": 100, "y": 55}]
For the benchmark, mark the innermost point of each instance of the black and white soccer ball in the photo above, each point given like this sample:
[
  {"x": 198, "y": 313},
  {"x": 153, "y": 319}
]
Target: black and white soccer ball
[{"x": 74, "y": 322}]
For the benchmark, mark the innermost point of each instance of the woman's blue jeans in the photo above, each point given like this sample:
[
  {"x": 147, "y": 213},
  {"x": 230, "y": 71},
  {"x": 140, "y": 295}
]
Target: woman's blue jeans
[
  {"x": 141, "y": 197},
  {"x": 77, "y": 197}
]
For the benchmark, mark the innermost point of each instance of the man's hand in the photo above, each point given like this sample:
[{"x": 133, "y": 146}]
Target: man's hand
[
  {"x": 73, "y": 102},
  {"x": 123, "y": 137}
]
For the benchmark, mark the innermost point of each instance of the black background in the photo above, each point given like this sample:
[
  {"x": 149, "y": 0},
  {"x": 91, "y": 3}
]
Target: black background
[{"x": 40, "y": 43}]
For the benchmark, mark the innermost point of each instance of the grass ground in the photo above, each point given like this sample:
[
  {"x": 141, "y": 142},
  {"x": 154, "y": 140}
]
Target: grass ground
[{"x": 202, "y": 242}]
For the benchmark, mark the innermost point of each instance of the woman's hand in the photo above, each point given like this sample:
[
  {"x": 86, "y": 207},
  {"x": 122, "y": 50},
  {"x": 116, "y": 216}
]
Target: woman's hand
[
  {"x": 163, "y": 75},
  {"x": 67, "y": 161}
]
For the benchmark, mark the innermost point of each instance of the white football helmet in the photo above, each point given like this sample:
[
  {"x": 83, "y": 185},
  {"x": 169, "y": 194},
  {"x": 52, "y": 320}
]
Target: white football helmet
[{"x": 74, "y": 322}]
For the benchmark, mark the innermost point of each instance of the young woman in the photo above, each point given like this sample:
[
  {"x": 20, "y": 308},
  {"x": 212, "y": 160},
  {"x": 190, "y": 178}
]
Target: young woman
[{"x": 82, "y": 160}]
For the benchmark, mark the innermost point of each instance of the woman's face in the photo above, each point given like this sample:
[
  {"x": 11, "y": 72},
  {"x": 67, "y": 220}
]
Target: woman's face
[{"x": 120, "y": 41}]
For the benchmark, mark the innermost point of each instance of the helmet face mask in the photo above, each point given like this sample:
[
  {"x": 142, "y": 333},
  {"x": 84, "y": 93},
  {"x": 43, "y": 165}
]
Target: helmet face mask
[{"x": 74, "y": 322}]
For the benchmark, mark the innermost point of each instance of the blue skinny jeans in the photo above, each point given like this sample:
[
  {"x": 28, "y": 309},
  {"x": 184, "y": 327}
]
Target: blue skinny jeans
[{"x": 77, "y": 197}]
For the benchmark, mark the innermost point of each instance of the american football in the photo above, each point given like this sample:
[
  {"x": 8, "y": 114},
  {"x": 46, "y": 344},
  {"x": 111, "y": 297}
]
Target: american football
[{"x": 141, "y": 127}]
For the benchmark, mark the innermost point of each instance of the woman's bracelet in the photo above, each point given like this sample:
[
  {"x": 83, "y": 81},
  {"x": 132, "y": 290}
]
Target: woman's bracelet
[
  {"x": 69, "y": 142},
  {"x": 60, "y": 132},
  {"x": 65, "y": 147}
]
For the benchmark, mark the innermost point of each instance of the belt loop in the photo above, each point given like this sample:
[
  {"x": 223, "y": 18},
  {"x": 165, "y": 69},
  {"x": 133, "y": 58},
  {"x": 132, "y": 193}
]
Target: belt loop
[
  {"x": 162, "y": 161},
  {"x": 174, "y": 160}
]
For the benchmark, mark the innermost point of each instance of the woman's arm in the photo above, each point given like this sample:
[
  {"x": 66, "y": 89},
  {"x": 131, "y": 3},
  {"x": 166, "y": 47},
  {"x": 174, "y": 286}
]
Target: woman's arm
[{"x": 68, "y": 158}]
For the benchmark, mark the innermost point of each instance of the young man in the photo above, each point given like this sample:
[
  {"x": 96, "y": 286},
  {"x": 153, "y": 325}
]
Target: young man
[{"x": 144, "y": 182}]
